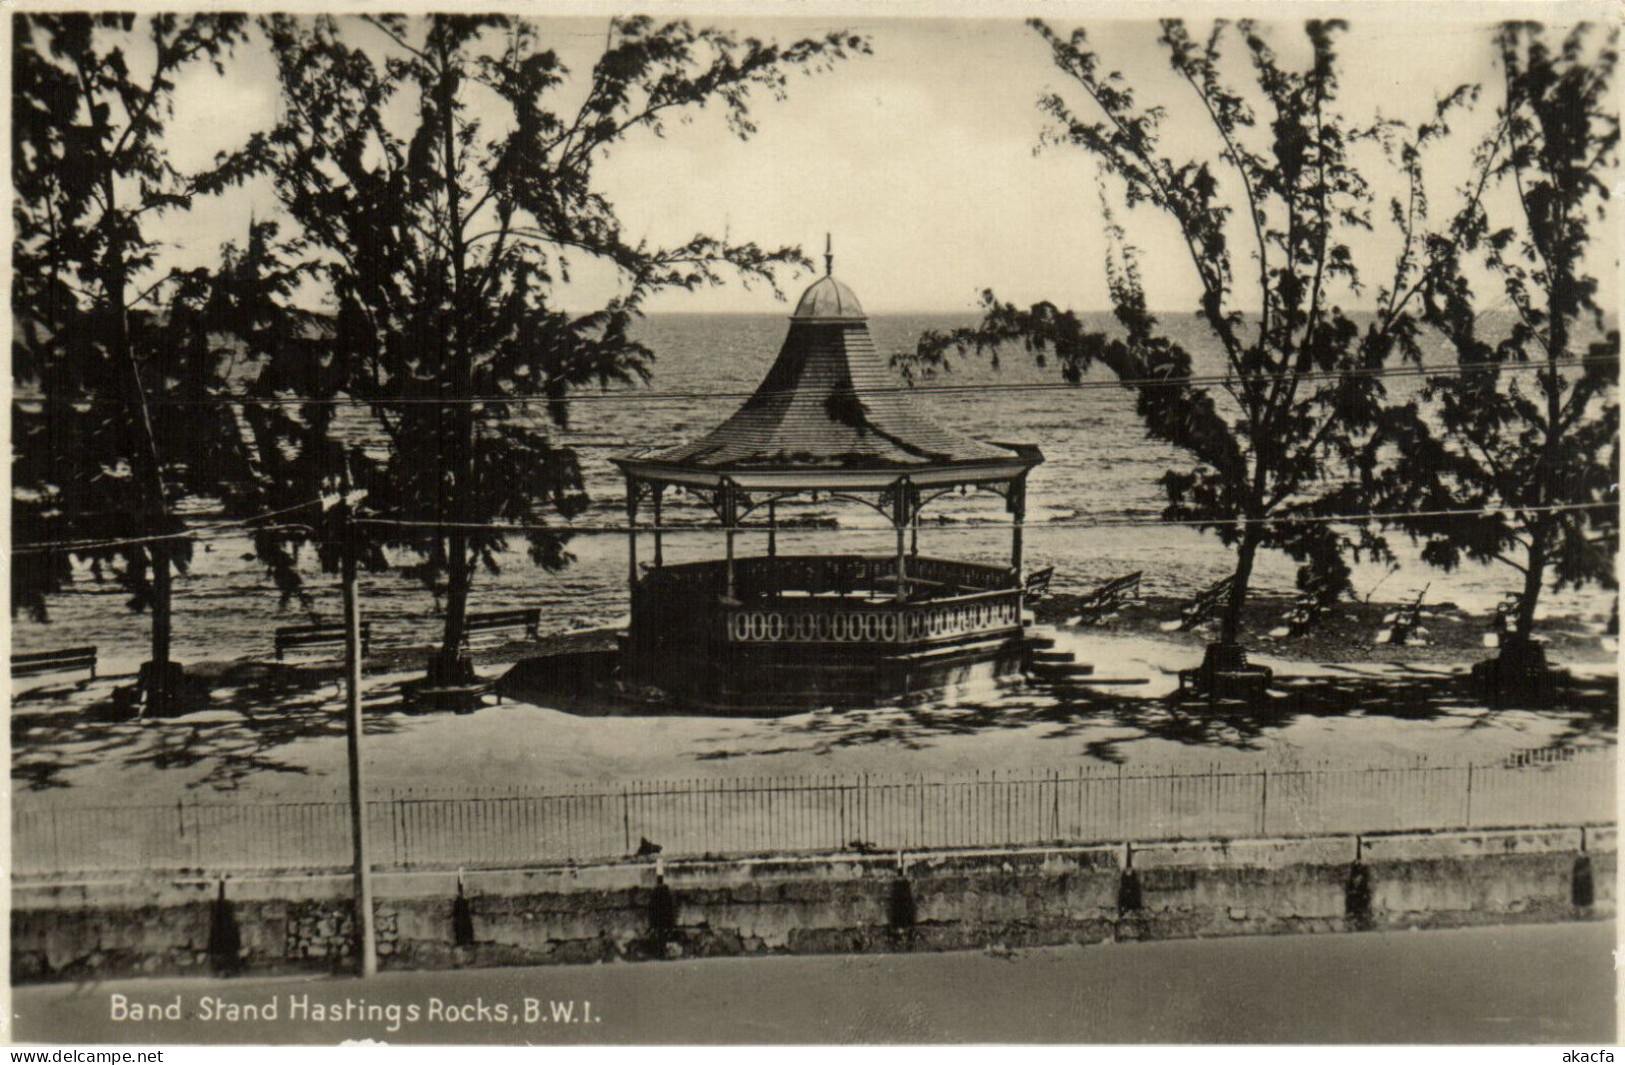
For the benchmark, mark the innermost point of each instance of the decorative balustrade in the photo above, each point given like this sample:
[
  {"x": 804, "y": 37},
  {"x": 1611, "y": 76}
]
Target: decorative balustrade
[
  {"x": 962, "y": 574},
  {"x": 690, "y": 579},
  {"x": 835, "y": 599},
  {"x": 823, "y": 574},
  {"x": 811, "y": 621}
]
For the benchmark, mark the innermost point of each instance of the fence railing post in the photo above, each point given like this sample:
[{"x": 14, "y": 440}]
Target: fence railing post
[
  {"x": 842, "y": 795},
  {"x": 920, "y": 805},
  {"x": 1264, "y": 802},
  {"x": 980, "y": 809},
  {"x": 1121, "y": 831},
  {"x": 626, "y": 822},
  {"x": 1055, "y": 804},
  {"x": 1467, "y": 814}
]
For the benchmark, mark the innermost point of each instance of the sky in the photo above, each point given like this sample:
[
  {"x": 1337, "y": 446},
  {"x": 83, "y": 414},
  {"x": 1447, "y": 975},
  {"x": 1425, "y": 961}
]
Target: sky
[{"x": 920, "y": 158}]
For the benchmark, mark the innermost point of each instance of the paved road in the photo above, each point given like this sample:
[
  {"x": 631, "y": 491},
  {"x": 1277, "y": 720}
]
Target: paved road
[{"x": 1532, "y": 983}]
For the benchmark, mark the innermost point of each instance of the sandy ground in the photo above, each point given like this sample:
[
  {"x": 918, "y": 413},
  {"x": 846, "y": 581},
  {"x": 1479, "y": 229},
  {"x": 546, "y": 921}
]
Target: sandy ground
[
  {"x": 278, "y": 728},
  {"x": 1550, "y": 984}
]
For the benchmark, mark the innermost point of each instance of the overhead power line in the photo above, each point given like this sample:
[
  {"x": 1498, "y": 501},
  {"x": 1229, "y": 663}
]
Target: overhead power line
[
  {"x": 1127, "y": 521},
  {"x": 1060, "y": 523},
  {"x": 633, "y": 395},
  {"x": 196, "y": 533}
]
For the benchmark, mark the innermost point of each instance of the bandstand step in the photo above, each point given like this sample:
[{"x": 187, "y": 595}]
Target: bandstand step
[
  {"x": 1051, "y": 669},
  {"x": 1084, "y": 680},
  {"x": 1041, "y": 643},
  {"x": 950, "y": 651},
  {"x": 1054, "y": 656}
]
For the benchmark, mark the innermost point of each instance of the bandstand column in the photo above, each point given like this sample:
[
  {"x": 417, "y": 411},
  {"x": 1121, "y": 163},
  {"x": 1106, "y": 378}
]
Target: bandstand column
[
  {"x": 660, "y": 558},
  {"x": 729, "y": 513},
  {"x": 772, "y": 529},
  {"x": 1016, "y": 503},
  {"x": 631, "y": 533},
  {"x": 900, "y": 519}
]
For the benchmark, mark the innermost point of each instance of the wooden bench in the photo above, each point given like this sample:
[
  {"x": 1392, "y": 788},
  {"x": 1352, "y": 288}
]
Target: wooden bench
[
  {"x": 452, "y": 685},
  {"x": 1402, "y": 623},
  {"x": 914, "y": 588},
  {"x": 1037, "y": 584},
  {"x": 1225, "y": 674},
  {"x": 1095, "y": 606},
  {"x": 314, "y": 637},
  {"x": 1202, "y": 607},
  {"x": 67, "y": 660},
  {"x": 1505, "y": 621},
  {"x": 491, "y": 621},
  {"x": 458, "y": 698},
  {"x": 1307, "y": 609}
]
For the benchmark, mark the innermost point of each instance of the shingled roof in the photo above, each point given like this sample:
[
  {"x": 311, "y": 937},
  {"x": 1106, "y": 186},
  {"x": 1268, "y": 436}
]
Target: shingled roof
[{"x": 829, "y": 403}]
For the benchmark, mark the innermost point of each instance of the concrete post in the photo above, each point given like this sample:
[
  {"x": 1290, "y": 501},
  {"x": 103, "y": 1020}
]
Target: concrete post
[{"x": 368, "y": 941}]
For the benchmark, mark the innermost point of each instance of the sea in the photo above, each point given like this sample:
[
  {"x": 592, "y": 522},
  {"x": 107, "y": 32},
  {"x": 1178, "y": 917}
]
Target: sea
[{"x": 1098, "y": 465}]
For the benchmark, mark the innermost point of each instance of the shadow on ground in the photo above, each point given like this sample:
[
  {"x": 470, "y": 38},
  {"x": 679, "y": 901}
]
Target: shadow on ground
[
  {"x": 258, "y": 710},
  {"x": 255, "y": 710},
  {"x": 1108, "y": 720}
]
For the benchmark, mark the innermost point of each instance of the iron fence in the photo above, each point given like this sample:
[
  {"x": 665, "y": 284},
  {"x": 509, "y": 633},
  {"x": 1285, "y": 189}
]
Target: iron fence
[{"x": 426, "y": 828}]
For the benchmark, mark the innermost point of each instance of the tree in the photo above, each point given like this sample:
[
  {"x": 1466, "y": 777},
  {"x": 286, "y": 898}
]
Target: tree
[
  {"x": 286, "y": 452},
  {"x": 1542, "y": 462},
  {"x": 1278, "y": 438},
  {"x": 431, "y": 166},
  {"x": 97, "y": 463}
]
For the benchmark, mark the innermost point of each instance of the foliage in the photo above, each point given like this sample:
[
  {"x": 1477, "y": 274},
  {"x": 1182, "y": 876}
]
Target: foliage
[
  {"x": 1482, "y": 436},
  {"x": 1276, "y": 438},
  {"x": 434, "y": 170},
  {"x": 95, "y": 346}
]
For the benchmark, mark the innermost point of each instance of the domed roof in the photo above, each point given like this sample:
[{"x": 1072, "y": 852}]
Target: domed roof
[
  {"x": 831, "y": 407},
  {"x": 828, "y": 298}
]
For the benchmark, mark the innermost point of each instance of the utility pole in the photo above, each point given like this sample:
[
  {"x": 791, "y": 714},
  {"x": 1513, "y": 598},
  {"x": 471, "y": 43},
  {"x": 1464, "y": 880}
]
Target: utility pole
[{"x": 368, "y": 944}]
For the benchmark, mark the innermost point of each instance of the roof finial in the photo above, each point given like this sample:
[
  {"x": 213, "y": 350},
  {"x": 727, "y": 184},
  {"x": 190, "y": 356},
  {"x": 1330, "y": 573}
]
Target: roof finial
[{"x": 829, "y": 256}]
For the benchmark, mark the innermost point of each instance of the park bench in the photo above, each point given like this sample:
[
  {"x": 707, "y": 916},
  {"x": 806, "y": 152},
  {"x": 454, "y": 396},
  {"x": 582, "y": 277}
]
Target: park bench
[
  {"x": 1201, "y": 608},
  {"x": 919, "y": 590},
  {"x": 1306, "y": 610},
  {"x": 1505, "y": 621},
  {"x": 530, "y": 618},
  {"x": 317, "y": 637},
  {"x": 67, "y": 660},
  {"x": 1403, "y": 623},
  {"x": 452, "y": 685},
  {"x": 1225, "y": 673},
  {"x": 1101, "y": 603},
  {"x": 1519, "y": 674},
  {"x": 1037, "y": 583}
]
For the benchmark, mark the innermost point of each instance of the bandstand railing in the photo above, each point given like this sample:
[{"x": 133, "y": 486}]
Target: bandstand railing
[
  {"x": 841, "y": 599},
  {"x": 876, "y": 575},
  {"x": 812, "y": 620}
]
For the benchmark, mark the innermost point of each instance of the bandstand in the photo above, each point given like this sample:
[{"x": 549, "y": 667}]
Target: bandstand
[{"x": 785, "y": 631}]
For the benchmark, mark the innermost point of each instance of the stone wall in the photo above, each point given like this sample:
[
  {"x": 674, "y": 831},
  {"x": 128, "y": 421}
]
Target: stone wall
[{"x": 842, "y": 903}]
